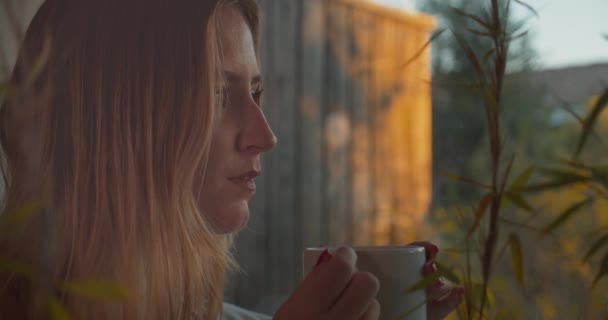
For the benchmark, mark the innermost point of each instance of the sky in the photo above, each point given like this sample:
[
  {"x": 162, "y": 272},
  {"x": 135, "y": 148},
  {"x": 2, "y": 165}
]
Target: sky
[{"x": 567, "y": 32}]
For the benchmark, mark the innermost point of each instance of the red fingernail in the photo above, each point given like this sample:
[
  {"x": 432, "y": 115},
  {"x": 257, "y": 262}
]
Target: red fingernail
[{"x": 324, "y": 257}]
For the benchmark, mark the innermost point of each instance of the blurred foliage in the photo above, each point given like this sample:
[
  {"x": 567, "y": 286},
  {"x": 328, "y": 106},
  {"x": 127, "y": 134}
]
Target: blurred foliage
[
  {"x": 551, "y": 257},
  {"x": 458, "y": 128}
]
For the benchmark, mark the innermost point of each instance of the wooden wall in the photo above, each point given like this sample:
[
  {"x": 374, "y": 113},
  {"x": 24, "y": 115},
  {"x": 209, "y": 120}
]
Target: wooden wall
[{"x": 352, "y": 113}]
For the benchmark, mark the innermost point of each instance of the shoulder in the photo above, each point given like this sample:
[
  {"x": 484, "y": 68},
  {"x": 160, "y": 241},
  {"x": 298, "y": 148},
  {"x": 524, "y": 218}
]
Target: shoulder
[{"x": 232, "y": 312}]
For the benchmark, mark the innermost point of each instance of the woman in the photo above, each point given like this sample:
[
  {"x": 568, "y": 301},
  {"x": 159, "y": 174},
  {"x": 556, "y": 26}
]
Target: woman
[{"x": 139, "y": 140}]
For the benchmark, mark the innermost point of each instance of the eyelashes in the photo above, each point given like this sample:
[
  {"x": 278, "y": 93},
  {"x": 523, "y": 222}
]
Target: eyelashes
[
  {"x": 257, "y": 95},
  {"x": 223, "y": 94}
]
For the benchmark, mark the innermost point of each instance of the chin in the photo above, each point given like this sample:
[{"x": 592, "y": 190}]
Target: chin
[{"x": 232, "y": 219}]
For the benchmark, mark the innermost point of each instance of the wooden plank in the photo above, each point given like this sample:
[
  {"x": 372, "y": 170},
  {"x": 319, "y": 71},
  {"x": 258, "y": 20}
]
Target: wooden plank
[
  {"x": 361, "y": 199},
  {"x": 310, "y": 105},
  {"x": 337, "y": 127},
  {"x": 282, "y": 260}
]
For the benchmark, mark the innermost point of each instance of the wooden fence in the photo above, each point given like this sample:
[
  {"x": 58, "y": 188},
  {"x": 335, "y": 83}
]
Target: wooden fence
[{"x": 348, "y": 95}]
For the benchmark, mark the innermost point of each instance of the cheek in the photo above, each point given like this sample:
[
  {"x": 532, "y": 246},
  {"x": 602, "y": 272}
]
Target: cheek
[{"x": 224, "y": 205}]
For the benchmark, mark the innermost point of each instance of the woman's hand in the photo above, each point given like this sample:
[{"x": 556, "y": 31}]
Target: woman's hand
[
  {"x": 443, "y": 298},
  {"x": 334, "y": 289}
]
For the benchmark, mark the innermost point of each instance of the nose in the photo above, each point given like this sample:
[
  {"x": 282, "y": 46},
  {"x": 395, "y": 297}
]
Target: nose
[{"x": 257, "y": 136}]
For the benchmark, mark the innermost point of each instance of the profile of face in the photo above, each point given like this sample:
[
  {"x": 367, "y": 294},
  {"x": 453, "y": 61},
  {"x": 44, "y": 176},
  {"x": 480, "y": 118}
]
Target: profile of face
[{"x": 241, "y": 133}]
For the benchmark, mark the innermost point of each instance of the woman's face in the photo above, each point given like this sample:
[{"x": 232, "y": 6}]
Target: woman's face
[{"x": 241, "y": 133}]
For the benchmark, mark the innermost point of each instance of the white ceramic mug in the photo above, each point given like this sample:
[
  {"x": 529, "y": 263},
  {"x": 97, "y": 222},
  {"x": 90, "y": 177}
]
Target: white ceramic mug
[{"x": 397, "y": 268}]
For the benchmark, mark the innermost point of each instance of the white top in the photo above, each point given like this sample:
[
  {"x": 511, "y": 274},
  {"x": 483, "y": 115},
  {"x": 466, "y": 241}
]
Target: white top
[{"x": 232, "y": 312}]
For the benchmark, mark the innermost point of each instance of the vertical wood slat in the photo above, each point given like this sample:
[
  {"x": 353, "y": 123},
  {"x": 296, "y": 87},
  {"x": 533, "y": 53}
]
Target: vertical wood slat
[
  {"x": 310, "y": 112},
  {"x": 336, "y": 126},
  {"x": 282, "y": 86}
]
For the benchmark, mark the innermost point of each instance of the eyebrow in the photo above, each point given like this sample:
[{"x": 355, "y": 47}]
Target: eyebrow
[{"x": 233, "y": 77}]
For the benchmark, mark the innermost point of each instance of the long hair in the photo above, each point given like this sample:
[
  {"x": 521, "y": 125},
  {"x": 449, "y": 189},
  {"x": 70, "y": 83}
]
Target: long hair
[{"x": 108, "y": 136}]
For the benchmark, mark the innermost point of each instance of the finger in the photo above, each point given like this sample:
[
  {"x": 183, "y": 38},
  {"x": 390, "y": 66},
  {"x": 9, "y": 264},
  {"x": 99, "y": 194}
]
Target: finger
[
  {"x": 440, "y": 308},
  {"x": 327, "y": 281},
  {"x": 429, "y": 268},
  {"x": 372, "y": 312},
  {"x": 430, "y": 249},
  {"x": 353, "y": 302}
]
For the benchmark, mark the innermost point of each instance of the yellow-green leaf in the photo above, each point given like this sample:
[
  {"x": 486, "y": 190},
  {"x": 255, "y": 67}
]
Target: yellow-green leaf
[
  {"x": 519, "y": 201},
  {"x": 522, "y": 180},
  {"x": 423, "y": 283},
  {"x": 517, "y": 258},
  {"x": 590, "y": 121},
  {"x": 479, "y": 20},
  {"x": 566, "y": 174},
  {"x": 477, "y": 293},
  {"x": 446, "y": 272},
  {"x": 102, "y": 290},
  {"x": 481, "y": 209},
  {"x": 554, "y": 184},
  {"x": 596, "y": 247},
  {"x": 57, "y": 311},
  {"x": 567, "y": 214},
  {"x": 467, "y": 180}
]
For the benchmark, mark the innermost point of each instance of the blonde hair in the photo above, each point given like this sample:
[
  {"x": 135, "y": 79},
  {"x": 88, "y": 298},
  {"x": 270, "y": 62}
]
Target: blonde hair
[{"x": 110, "y": 140}]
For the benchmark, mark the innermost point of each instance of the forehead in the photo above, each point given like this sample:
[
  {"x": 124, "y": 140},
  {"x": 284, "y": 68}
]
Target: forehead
[{"x": 237, "y": 50}]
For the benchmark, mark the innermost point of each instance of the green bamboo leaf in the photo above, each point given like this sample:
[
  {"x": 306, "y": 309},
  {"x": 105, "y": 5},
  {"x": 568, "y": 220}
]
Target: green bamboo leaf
[
  {"x": 467, "y": 181},
  {"x": 422, "y": 50},
  {"x": 567, "y": 214},
  {"x": 446, "y": 272},
  {"x": 517, "y": 36},
  {"x": 517, "y": 258},
  {"x": 554, "y": 184},
  {"x": 472, "y": 59},
  {"x": 596, "y": 247},
  {"x": 57, "y": 311},
  {"x": 522, "y": 180},
  {"x": 519, "y": 201},
  {"x": 481, "y": 209},
  {"x": 603, "y": 270},
  {"x": 102, "y": 290},
  {"x": 480, "y": 21},
  {"x": 423, "y": 283},
  {"x": 564, "y": 173},
  {"x": 480, "y": 33},
  {"x": 527, "y": 6},
  {"x": 590, "y": 121},
  {"x": 15, "y": 266}
]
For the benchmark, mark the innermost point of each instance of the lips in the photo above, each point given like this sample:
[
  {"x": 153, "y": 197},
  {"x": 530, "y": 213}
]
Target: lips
[{"x": 246, "y": 180}]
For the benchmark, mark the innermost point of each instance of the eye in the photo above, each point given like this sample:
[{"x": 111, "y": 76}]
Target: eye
[
  {"x": 221, "y": 96},
  {"x": 256, "y": 94}
]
